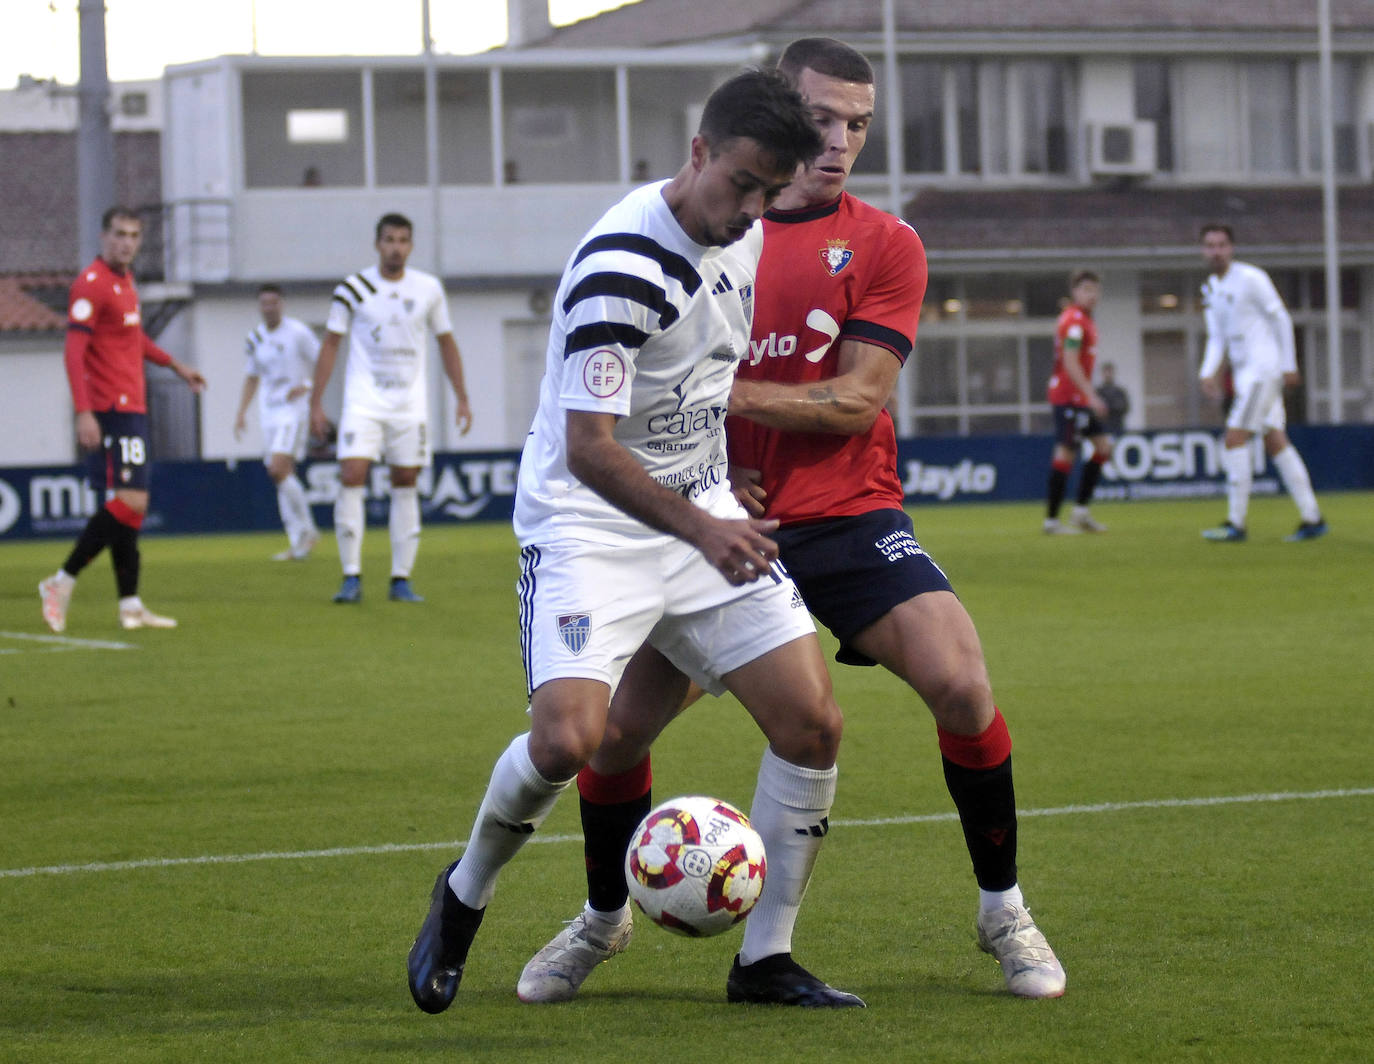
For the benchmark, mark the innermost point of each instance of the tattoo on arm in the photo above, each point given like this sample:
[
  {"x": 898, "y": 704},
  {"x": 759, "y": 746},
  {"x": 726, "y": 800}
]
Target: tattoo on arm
[{"x": 824, "y": 395}]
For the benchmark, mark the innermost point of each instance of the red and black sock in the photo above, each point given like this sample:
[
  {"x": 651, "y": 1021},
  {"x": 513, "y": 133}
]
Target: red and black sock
[
  {"x": 612, "y": 807},
  {"x": 978, "y": 775}
]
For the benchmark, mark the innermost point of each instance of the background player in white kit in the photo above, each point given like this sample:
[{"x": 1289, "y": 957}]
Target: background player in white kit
[
  {"x": 1248, "y": 325},
  {"x": 628, "y": 528},
  {"x": 385, "y": 310},
  {"x": 280, "y": 361}
]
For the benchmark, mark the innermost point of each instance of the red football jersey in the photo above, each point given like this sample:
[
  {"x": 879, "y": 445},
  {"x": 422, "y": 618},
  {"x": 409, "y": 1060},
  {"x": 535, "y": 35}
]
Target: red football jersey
[
  {"x": 841, "y": 271},
  {"x": 1077, "y": 323},
  {"x": 106, "y": 344}
]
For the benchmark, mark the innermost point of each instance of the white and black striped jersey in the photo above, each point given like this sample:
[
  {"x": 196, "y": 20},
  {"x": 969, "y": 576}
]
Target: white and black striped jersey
[
  {"x": 281, "y": 358},
  {"x": 1248, "y": 323},
  {"x": 648, "y": 325},
  {"x": 385, "y": 322}
]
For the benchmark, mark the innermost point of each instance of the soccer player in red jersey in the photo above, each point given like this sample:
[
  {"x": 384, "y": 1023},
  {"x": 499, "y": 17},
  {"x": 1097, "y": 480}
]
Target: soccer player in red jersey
[
  {"x": 1078, "y": 409},
  {"x": 812, "y": 445},
  {"x": 105, "y": 351}
]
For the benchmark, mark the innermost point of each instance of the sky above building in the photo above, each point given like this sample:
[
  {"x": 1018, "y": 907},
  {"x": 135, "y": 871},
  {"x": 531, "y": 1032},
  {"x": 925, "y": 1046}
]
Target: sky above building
[{"x": 41, "y": 37}]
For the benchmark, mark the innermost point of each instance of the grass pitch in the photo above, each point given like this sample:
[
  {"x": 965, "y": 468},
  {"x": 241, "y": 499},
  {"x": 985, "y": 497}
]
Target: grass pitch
[{"x": 218, "y": 841}]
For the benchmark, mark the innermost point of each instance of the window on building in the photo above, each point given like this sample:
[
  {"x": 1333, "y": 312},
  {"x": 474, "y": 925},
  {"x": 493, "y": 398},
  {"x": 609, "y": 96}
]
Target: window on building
[
  {"x": 665, "y": 107},
  {"x": 1271, "y": 99},
  {"x": 1154, "y": 103},
  {"x": 465, "y": 127},
  {"x": 398, "y": 107},
  {"x": 1344, "y": 97},
  {"x": 300, "y": 127},
  {"x": 560, "y": 126}
]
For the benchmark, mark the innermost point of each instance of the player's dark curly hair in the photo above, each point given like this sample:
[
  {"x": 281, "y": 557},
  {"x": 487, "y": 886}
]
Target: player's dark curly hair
[{"x": 761, "y": 105}]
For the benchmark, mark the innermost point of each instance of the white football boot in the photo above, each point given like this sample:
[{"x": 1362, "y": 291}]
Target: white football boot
[
  {"x": 558, "y": 970},
  {"x": 1083, "y": 519},
  {"x": 56, "y": 593},
  {"x": 140, "y": 616},
  {"x": 1030, "y": 966}
]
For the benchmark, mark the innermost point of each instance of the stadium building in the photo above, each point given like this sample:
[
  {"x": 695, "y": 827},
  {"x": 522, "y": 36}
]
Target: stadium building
[{"x": 1021, "y": 138}]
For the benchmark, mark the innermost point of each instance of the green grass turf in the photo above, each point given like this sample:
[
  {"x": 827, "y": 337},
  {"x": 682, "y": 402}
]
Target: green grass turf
[{"x": 1136, "y": 669}]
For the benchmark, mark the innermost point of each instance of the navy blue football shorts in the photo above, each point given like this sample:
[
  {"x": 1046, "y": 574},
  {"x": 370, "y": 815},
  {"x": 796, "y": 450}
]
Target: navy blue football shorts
[
  {"x": 1073, "y": 424},
  {"x": 853, "y": 570},
  {"x": 121, "y": 460}
]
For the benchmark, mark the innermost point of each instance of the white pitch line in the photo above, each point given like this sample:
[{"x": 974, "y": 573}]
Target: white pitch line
[
  {"x": 932, "y": 818},
  {"x": 66, "y": 642}
]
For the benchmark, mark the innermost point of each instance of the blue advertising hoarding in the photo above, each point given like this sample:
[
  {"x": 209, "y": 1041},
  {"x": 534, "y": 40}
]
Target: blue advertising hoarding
[{"x": 191, "y": 497}]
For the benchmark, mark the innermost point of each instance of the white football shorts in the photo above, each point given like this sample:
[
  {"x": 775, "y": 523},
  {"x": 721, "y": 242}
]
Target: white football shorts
[
  {"x": 585, "y": 609},
  {"x": 403, "y": 443},
  {"x": 286, "y": 434},
  {"x": 1258, "y": 406}
]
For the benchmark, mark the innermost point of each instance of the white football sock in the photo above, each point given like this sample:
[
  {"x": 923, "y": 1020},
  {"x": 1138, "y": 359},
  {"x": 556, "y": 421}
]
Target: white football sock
[
  {"x": 294, "y": 509},
  {"x": 405, "y": 530},
  {"x": 1238, "y": 477},
  {"x": 790, "y": 810},
  {"x": 1293, "y": 471},
  {"x": 992, "y": 900},
  {"x": 349, "y": 523},
  {"x": 518, "y": 799}
]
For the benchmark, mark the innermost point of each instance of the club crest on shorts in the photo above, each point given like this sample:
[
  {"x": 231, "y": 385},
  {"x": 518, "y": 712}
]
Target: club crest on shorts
[
  {"x": 835, "y": 256},
  {"x": 575, "y": 629}
]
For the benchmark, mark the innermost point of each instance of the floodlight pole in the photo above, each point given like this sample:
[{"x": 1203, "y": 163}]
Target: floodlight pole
[
  {"x": 432, "y": 141},
  {"x": 891, "y": 86},
  {"x": 1330, "y": 238},
  {"x": 95, "y": 141}
]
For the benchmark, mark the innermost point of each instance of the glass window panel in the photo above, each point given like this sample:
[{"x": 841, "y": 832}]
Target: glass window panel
[
  {"x": 942, "y": 302},
  {"x": 966, "y": 112},
  {"x": 271, "y": 158},
  {"x": 994, "y": 424},
  {"x": 1154, "y": 102},
  {"x": 398, "y": 100},
  {"x": 560, "y": 126},
  {"x": 1344, "y": 94},
  {"x": 1291, "y": 285},
  {"x": 1046, "y": 295},
  {"x": 993, "y": 374},
  {"x": 937, "y": 426},
  {"x": 1207, "y": 123},
  {"x": 993, "y": 296},
  {"x": 1039, "y": 364},
  {"x": 924, "y": 115},
  {"x": 1273, "y": 107},
  {"x": 992, "y": 86},
  {"x": 664, "y": 105},
  {"x": 1349, "y": 289},
  {"x": 873, "y": 159},
  {"x": 937, "y": 373},
  {"x": 1039, "y": 86},
  {"x": 465, "y": 127},
  {"x": 1165, "y": 292}
]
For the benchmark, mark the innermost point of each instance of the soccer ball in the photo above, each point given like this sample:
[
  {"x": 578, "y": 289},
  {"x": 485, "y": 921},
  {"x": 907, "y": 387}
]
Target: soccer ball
[{"x": 695, "y": 866}]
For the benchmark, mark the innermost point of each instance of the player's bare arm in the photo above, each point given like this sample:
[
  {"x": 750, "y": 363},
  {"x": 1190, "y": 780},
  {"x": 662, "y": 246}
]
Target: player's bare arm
[
  {"x": 324, "y": 368},
  {"x": 453, "y": 368},
  {"x": 847, "y": 404},
  {"x": 740, "y": 550}
]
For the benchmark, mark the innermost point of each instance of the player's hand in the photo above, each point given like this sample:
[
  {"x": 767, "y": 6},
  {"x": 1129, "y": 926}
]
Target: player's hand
[
  {"x": 1291, "y": 380},
  {"x": 192, "y": 377},
  {"x": 1097, "y": 406},
  {"x": 463, "y": 416},
  {"x": 1211, "y": 387},
  {"x": 744, "y": 484},
  {"x": 297, "y": 391},
  {"x": 740, "y": 550},
  {"x": 319, "y": 422},
  {"x": 238, "y": 427},
  {"x": 87, "y": 430}
]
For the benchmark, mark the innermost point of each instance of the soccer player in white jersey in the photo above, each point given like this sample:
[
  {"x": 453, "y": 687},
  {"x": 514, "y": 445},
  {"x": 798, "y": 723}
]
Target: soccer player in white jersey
[
  {"x": 279, "y": 362},
  {"x": 385, "y": 310},
  {"x": 1248, "y": 326},
  {"x": 630, "y": 533}
]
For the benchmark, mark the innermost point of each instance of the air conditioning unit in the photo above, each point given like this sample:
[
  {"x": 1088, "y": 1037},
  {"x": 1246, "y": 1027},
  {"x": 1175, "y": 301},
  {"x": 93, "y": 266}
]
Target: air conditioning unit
[{"x": 1121, "y": 148}]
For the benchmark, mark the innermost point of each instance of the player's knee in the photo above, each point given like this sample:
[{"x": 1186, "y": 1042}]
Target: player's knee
[
  {"x": 812, "y": 738},
  {"x": 962, "y": 703}
]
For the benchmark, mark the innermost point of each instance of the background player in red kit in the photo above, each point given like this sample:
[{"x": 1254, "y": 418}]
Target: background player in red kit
[
  {"x": 837, "y": 301},
  {"x": 1078, "y": 409},
  {"x": 105, "y": 351}
]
